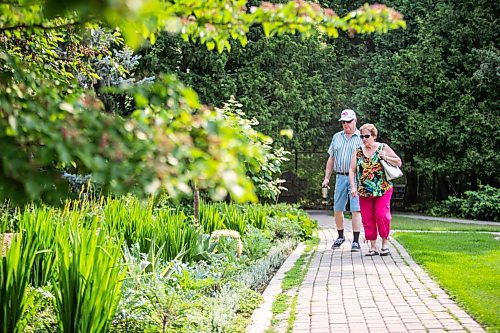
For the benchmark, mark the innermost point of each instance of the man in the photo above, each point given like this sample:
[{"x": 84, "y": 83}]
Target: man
[{"x": 342, "y": 147}]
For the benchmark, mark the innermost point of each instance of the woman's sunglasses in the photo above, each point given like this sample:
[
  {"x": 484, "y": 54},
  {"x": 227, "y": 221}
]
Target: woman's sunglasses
[{"x": 365, "y": 136}]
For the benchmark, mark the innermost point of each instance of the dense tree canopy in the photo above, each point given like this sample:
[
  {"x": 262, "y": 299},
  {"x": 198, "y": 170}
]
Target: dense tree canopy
[
  {"x": 284, "y": 82},
  {"x": 51, "y": 119},
  {"x": 431, "y": 89}
]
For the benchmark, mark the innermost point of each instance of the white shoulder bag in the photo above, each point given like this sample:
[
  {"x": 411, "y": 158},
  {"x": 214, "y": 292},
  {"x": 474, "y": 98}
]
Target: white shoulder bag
[{"x": 391, "y": 171}]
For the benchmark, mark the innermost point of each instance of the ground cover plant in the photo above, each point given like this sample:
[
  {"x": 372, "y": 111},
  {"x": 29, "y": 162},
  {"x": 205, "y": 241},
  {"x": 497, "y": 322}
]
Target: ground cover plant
[
  {"x": 284, "y": 307},
  {"x": 138, "y": 267},
  {"x": 465, "y": 263}
]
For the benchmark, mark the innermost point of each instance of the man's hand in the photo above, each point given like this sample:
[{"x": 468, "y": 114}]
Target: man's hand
[{"x": 325, "y": 183}]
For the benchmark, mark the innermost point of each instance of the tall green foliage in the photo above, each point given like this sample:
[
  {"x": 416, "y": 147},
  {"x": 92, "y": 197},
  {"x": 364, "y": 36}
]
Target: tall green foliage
[
  {"x": 264, "y": 174},
  {"x": 40, "y": 228},
  {"x": 15, "y": 274},
  {"x": 180, "y": 236},
  {"x": 211, "y": 218},
  {"x": 168, "y": 229},
  {"x": 131, "y": 219},
  {"x": 90, "y": 276}
]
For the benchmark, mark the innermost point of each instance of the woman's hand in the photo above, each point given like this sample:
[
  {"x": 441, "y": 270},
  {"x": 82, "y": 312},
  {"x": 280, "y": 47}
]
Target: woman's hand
[{"x": 390, "y": 156}]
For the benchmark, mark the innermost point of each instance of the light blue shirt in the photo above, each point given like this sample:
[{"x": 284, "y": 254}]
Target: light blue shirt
[{"x": 341, "y": 149}]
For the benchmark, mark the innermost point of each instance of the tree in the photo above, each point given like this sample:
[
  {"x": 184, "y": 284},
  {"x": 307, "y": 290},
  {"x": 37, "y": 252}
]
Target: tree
[
  {"x": 428, "y": 87},
  {"x": 285, "y": 82},
  {"x": 49, "y": 122}
]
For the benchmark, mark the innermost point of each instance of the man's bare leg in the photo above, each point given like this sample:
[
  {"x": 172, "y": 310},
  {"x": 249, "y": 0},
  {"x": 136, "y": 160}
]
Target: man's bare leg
[
  {"x": 356, "y": 221},
  {"x": 339, "y": 220}
]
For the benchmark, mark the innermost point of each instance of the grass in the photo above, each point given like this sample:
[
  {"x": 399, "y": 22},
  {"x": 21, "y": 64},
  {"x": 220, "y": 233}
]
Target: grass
[
  {"x": 280, "y": 305},
  {"x": 404, "y": 223},
  {"x": 293, "y": 279},
  {"x": 295, "y": 275},
  {"x": 466, "y": 264}
]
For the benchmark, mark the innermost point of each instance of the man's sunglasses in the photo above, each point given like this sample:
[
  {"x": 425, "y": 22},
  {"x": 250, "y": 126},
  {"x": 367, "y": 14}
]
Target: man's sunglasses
[
  {"x": 365, "y": 136},
  {"x": 346, "y": 122}
]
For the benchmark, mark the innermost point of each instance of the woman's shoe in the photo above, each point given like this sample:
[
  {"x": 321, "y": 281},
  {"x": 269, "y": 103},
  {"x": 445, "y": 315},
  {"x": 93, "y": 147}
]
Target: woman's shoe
[
  {"x": 372, "y": 253},
  {"x": 384, "y": 252}
]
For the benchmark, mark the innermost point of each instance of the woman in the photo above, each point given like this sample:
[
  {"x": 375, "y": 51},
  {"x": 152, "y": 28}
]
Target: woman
[{"x": 374, "y": 189}]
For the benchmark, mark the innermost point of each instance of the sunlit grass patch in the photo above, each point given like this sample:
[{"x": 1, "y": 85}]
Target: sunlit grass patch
[{"x": 466, "y": 265}]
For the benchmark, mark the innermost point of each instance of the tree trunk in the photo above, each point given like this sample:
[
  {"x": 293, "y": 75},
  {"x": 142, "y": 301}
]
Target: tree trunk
[
  {"x": 443, "y": 190},
  {"x": 434, "y": 192},
  {"x": 421, "y": 186},
  {"x": 473, "y": 181},
  {"x": 296, "y": 161},
  {"x": 196, "y": 204},
  {"x": 411, "y": 195}
]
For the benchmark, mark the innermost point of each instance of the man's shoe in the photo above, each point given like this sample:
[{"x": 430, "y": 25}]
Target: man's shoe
[
  {"x": 355, "y": 247},
  {"x": 338, "y": 242}
]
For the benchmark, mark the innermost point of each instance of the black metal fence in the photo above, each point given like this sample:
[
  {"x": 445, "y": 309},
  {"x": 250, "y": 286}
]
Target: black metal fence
[{"x": 303, "y": 177}]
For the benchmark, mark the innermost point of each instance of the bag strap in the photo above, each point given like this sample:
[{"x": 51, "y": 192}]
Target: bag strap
[{"x": 379, "y": 149}]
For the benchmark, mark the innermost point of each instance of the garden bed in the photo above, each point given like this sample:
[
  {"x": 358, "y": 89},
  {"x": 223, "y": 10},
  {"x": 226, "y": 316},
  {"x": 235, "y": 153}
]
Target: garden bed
[{"x": 128, "y": 266}]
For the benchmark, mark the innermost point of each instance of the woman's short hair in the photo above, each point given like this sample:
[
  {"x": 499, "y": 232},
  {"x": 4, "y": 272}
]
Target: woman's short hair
[{"x": 371, "y": 128}]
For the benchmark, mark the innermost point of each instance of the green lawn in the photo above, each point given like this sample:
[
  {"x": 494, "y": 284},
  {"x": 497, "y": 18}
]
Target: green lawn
[
  {"x": 467, "y": 265},
  {"x": 404, "y": 223}
]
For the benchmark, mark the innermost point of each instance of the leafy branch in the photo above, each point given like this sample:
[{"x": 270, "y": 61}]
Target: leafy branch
[{"x": 41, "y": 26}]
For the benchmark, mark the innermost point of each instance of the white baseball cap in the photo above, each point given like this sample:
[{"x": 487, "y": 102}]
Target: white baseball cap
[{"x": 347, "y": 115}]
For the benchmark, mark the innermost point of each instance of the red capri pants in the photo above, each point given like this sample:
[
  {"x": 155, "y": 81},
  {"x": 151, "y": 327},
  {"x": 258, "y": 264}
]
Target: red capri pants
[{"x": 376, "y": 215}]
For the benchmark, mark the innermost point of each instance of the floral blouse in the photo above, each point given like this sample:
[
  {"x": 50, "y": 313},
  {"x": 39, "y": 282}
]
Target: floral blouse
[{"x": 370, "y": 174}]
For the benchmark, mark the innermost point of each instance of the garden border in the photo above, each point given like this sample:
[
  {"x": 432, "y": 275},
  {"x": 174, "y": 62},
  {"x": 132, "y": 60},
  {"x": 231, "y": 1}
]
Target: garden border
[{"x": 261, "y": 318}]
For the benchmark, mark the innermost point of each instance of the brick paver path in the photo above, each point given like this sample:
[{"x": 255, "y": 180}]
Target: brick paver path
[{"x": 348, "y": 292}]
